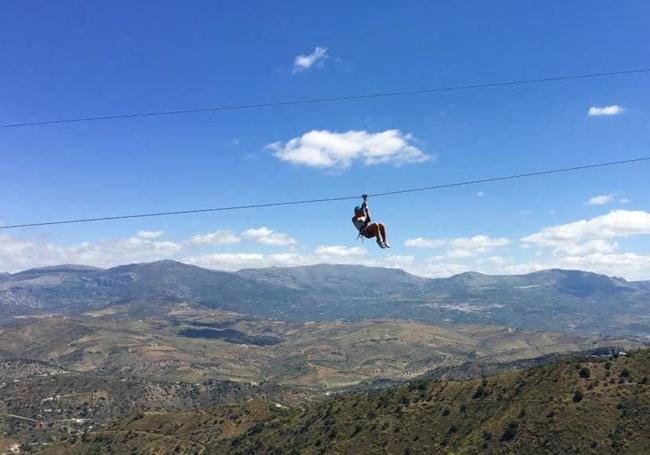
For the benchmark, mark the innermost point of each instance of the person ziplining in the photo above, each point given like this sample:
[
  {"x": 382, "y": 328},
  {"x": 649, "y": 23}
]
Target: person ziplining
[
  {"x": 330, "y": 199},
  {"x": 366, "y": 227}
]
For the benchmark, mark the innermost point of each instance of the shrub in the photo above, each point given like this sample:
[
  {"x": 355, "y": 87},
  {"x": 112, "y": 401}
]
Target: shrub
[
  {"x": 577, "y": 397},
  {"x": 584, "y": 373},
  {"x": 510, "y": 432}
]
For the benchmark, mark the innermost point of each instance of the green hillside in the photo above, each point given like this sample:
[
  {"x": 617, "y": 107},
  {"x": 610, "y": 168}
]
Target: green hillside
[{"x": 589, "y": 405}]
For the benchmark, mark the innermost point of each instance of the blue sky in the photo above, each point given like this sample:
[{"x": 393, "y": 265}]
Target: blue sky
[{"x": 73, "y": 58}]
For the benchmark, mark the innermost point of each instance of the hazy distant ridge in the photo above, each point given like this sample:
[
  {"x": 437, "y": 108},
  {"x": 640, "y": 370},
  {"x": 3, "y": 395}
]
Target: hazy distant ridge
[{"x": 566, "y": 300}]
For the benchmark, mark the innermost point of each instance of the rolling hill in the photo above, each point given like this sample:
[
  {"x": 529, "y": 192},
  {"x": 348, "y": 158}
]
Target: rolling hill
[{"x": 583, "y": 405}]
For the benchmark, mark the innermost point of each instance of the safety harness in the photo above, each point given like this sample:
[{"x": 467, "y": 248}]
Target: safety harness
[{"x": 364, "y": 207}]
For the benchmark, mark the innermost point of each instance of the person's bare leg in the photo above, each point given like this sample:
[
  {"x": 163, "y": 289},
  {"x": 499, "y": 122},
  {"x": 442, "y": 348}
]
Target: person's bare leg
[
  {"x": 382, "y": 230},
  {"x": 374, "y": 230},
  {"x": 380, "y": 236}
]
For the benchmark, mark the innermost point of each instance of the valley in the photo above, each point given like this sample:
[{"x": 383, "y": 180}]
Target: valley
[
  {"x": 82, "y": 349},
  {"x": 193, "y": 345}
]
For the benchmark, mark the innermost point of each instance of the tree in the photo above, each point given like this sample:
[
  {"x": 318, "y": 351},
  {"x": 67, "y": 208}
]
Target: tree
[{"x": 510, "y": 432}]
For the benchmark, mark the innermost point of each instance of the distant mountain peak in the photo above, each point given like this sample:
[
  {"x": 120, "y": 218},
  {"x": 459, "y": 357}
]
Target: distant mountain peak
[
  {"x": 470, "y": 274},
  {"x": 63, "y": 268}
]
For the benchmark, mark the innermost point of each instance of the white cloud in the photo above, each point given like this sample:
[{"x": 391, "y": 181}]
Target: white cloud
[
  {"x": 144, "y": 246},
  {"x": 230, "y": 261},
  {"x": 304, "y": 62},
  {"x": 497, "y": 260},
  {"x": 460, "y": 246},
  {"x": 266, "y": 236},
  {"x": 613, "y": 109},
  {"x": 459, "y": 253},
  {"x": 618, "y": 223},
  {"x": 587, "y": 245},
  {"x": 421, "y": 242},
  {"x": 332, "y": 254},
  {"x": 631, "y": 265},
  {"x": 601, "y": 200},
  {"x": 14, "y": 247},
  {"x": 398, "y": 261},
  {"x": 340, "y": 251},
  {"x": 437, "y": 267},
  {"x": 478, "y": 242},
  {"x": 16, "y": 254},
  {"x": 19, "y": 254},
  {"x": 150, "y": 234},
  {"x": 327, "y": 149},
  {"x": 325, "y": 253},
  {"x": 221, "y": 237},
  {"x": 624, "y": 201}
]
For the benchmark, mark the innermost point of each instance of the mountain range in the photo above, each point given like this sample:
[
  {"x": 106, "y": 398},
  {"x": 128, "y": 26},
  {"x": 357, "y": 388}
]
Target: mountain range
[{"x": 560, "y": 300}]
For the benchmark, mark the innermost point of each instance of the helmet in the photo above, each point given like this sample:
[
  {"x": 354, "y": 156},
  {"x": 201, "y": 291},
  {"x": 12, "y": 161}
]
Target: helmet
[{"x": 358, "y": 210}]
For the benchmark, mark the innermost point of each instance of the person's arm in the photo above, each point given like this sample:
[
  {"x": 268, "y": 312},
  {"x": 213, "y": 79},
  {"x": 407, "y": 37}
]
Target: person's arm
[{"x": 364, "y": 206}]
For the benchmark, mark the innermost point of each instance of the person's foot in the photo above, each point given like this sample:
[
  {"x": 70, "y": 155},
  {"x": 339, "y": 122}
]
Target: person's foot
[
  {"x": 381, "y": 245},
  {"x": 386, "y": 245}
]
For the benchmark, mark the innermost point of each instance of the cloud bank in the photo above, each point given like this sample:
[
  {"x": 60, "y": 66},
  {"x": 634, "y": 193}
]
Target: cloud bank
[{"x": 587, "y": 244}]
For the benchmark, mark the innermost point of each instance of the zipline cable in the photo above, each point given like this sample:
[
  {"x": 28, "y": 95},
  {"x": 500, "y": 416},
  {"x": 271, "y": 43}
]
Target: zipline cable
[
  {"x": 333, "y": 199},
  {"x": 235, "y": 107}
]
